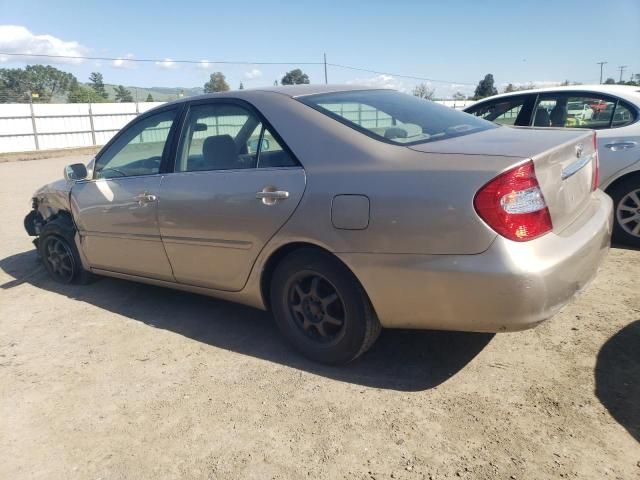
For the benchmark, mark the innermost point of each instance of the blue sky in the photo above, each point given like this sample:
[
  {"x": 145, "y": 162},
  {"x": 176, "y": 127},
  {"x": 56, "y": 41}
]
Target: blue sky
[{"x": 517, "y": 41}]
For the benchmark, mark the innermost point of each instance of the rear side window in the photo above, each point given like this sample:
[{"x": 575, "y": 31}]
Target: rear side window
[{"x": 395, "y": 117}]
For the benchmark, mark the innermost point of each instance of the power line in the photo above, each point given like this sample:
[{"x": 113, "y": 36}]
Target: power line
[
  {"x": 399, "y": 75},
  {"x": 230, "y": 62}
]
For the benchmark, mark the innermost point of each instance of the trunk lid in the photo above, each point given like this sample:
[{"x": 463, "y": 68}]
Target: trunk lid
[{"x": 563, "y": 161}]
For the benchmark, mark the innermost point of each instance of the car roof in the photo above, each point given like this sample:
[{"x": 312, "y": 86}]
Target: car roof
[
  {"x": 627, "y": 92},
  {"x": 291, "y": 91}
]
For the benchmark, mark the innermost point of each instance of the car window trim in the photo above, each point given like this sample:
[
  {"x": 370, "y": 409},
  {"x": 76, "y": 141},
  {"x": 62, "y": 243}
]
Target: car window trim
[{"x": 171, "y": 165}]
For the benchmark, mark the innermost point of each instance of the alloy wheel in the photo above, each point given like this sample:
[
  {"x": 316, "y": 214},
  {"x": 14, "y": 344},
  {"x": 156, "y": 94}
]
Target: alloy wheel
[
  {"x": 59, "y": 259},
  {"x": 316, "y": 307},
  {"x": 628, "y": 213}
]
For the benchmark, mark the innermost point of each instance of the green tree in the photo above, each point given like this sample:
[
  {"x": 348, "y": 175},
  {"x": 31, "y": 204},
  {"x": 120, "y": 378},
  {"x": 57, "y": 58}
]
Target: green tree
[
  {"x": 123, "y": 95},
  {"x": 217, "y": 83},
  {"x": 48, "y": 81},
  {"x": 82, "y": 94},
  {"x": 45, "y": 81},
  {"x": 14, "y": 85},
  {"x": 510, "y": 88},
  {"x": 609, "y": 81},
  {"x": 295, "y": 77},
  {"x": 97, "y": 84},
  {"x": 149, "y": 98},
  {"x": 459, "y": 96},
  {"x": 485, "y": 87},
  {"x": 241, "y": 87},
  {"x": 423, "y": 91}
]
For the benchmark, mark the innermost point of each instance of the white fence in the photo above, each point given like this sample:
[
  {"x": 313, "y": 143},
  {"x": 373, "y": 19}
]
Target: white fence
[{"x": 43, "y": 126}]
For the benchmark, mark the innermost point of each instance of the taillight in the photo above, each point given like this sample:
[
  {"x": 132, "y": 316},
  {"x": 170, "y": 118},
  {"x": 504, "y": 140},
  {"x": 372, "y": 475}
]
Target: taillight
[
  {"x": 595, "y": 164},
  {"x": 513, "y": 205}
]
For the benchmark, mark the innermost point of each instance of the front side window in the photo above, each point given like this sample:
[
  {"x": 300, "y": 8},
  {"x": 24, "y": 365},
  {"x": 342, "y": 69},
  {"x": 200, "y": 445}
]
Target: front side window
[
  {"x": 395, "y": 117},
  {"x": 573, "y": 111},
  {"x": 138, "y": 150},
  {"x": 504, "y": 112},
  {"x": 221, "y": 136}
]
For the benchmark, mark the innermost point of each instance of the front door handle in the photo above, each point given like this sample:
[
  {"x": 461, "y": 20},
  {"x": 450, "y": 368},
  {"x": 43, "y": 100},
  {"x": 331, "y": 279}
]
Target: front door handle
[
  {"x": 620, "y": 146},
  {"x": 145, "y": 198},
  {"x": 270, "y": 195}
]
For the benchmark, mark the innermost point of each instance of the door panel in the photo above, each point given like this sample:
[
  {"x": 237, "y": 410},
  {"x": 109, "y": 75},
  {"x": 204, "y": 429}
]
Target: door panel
[
  {"x": 213, "y": 225},
  {"x": 118, "y": 227}
]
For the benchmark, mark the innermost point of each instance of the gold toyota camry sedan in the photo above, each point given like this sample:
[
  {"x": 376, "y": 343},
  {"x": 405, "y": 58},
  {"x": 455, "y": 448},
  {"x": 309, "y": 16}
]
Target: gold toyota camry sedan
[{"x": 342, "y": 209}]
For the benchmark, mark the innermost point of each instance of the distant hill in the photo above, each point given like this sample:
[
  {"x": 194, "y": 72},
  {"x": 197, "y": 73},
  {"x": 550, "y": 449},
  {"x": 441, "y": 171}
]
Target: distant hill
[{"x": 159, "y": 94}]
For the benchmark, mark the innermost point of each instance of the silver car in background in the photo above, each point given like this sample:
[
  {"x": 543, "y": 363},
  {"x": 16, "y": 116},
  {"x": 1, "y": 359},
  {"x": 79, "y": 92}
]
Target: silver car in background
[
  {"x": 341, "y": 209},
  {"x": 612, "y": 110}
]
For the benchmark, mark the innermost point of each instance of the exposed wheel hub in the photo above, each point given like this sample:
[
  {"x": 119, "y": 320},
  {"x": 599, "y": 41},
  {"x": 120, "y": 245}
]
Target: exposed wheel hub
[{"x": 316, "y": 307}]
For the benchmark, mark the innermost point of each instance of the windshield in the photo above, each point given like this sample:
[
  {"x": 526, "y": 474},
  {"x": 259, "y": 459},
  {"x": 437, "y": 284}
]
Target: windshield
[{"x": 396, "y": 117}]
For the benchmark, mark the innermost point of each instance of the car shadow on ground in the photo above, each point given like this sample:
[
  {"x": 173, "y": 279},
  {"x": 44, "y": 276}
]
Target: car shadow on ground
[
  {"x": 618, "y": 377},
  {"x": 406, "y": 360}
]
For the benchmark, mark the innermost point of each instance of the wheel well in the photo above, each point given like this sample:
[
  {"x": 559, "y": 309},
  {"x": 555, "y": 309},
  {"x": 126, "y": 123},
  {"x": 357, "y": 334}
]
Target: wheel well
[
  {"x": 275, "y": 258},
  {"x": 624, "y": 178}
]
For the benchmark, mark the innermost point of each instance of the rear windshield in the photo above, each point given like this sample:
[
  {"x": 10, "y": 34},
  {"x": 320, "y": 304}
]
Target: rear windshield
[{"x": 396, "y": 117}]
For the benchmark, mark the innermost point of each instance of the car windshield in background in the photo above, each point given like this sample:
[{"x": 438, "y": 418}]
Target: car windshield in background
[{"x": 396, "y": 117}]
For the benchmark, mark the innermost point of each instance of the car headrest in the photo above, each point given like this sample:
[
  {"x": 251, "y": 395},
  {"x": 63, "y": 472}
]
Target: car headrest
[{"x": 219, "y": 152}]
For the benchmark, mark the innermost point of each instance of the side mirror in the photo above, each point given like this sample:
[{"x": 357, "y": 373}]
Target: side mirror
[
  {"x": 75, "y": 172},
  {"x": 253, "y": 145}
]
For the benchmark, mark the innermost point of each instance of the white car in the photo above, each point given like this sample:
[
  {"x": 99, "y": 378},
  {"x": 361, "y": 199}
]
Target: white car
[{"x": 612, "y": 110}]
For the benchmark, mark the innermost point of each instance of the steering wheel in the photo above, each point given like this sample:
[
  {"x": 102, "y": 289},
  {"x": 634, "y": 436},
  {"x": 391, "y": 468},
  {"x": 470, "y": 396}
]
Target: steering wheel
[{"x": 122, "y": 174}]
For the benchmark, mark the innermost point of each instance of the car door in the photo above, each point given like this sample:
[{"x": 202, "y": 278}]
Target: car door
[
  {"x": 617, "y": 146},
  {"x": 513, "y": 110},
  {"x": 234, "y": 184},
  {"x": 116, "y": 210}
]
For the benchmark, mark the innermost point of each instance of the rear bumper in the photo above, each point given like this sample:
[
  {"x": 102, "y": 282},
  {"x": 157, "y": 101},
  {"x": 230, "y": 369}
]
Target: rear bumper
[{"x": 511, "y": 286}]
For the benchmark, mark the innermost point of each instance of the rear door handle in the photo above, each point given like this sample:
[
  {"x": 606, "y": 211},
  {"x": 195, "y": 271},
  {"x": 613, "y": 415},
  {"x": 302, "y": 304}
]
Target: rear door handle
[
  {"x": 269, "y": 195},
  {"x": 620, "y": 146},
  {"x": 145, "y": 198}
]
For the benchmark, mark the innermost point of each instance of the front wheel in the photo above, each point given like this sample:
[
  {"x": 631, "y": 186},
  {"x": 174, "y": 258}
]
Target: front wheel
[
  {"x": 59, "y": 254},
  {"x": 321, "y": 308},
  {"x": 626, "y": 200}
]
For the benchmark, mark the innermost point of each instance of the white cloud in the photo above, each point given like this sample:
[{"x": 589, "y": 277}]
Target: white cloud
[
  {"x": 204, "y": 64},
  {"x": 123, "y": 62},
  {"x": 253, "y": 74},
  {"x": 18, "y": 39},
  {"x": 379, "y": 81},
  {"x": 167, "y": 63}
]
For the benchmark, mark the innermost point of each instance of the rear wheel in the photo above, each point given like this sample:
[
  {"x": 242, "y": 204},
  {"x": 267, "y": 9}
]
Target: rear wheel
[
  {"x": 626, "y": 200},
  {"x": 59, "y": 254},
  {"x": 321, "y": 308}
]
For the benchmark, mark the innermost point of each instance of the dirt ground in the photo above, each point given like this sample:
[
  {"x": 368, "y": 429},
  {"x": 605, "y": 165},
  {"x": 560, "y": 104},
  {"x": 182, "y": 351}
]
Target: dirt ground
[{"x": 118, "y": 380}]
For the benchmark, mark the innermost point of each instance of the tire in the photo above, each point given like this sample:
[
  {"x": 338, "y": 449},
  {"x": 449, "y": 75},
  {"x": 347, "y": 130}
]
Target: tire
[
  {"x": 59, "y": 254},
  {"x": 626, "y": 206},
  {"x": 321, "y": 308}
]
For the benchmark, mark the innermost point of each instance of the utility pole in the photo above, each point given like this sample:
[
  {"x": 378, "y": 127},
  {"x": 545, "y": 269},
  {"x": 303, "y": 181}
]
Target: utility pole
[
  {"x": 325, "y": 69},
  {"x": 622, "y": 69},
  {"x": 601, "y": 65}
]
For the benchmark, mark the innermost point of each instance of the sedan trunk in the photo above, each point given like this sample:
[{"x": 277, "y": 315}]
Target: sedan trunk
[{"x": 564, "y": 161}]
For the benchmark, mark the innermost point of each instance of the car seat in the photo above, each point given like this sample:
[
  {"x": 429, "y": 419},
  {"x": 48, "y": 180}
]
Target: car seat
[{"x": 542, "y": 118}]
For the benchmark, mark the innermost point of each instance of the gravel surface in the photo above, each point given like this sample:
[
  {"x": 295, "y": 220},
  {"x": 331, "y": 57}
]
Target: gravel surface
[{"x": 120, "y": 380}]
